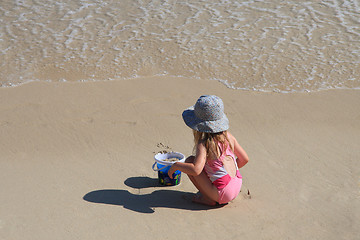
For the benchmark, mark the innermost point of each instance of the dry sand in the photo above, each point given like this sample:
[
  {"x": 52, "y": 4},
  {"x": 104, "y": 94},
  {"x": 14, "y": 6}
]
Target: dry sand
[{"x": 76, "y": 162}]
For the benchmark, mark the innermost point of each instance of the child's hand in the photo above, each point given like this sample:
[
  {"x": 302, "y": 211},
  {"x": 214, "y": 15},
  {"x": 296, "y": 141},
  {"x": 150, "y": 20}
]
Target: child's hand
[{"x": 171, "y": 171}]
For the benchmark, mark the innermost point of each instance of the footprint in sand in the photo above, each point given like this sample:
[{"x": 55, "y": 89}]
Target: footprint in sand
[{"x": 244, "y": 193}]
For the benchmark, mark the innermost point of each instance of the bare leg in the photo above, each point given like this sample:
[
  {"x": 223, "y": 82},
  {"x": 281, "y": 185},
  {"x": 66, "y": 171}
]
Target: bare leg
[{"x": 209, "y": 194}]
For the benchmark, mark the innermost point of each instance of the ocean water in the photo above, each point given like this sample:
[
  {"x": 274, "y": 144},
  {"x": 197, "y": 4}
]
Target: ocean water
[{"x": 270, "y": 45}]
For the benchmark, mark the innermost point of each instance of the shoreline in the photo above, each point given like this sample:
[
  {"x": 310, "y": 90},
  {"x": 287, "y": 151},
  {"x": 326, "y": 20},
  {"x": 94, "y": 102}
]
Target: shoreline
[
  {"x": 76, "y": 161},
  {"x": 137, "y": 78}
]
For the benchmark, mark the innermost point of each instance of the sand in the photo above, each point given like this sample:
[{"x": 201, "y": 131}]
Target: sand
[{"x": 76, "y": 162}]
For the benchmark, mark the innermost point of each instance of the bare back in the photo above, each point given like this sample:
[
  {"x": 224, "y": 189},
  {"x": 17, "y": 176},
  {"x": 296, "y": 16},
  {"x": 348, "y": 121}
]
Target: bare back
[
  {"x": 229, "y": 165},
  {"x": 228, "y": 160}
]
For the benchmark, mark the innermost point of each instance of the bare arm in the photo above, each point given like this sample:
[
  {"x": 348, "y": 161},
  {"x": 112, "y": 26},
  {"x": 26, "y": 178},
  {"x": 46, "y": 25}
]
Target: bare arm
[
  {"x": 242, "y": 157},
  {"x": 193, "y": 168}
]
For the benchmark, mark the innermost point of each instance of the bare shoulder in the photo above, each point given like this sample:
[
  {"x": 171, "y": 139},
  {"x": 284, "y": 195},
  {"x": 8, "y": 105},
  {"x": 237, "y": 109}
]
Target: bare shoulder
[
  {"x": 200, "y": 152},
  {"x": 200, "y": 147},
  {"x": 231, "y": 138}
]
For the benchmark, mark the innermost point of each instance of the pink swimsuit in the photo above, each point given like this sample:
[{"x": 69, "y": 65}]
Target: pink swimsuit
[{"x": 228, "y": 187}]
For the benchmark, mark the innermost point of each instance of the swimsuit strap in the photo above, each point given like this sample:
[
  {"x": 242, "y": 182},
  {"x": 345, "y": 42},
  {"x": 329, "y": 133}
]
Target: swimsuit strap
[
  {"x": 227, "y": 152},
  {"x": 221, "y": 149}
]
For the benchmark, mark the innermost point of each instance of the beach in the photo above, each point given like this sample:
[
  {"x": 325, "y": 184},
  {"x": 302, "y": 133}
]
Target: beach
[
  {"x": 91, "y": 90},
  {"x": 76, "y": 162}
]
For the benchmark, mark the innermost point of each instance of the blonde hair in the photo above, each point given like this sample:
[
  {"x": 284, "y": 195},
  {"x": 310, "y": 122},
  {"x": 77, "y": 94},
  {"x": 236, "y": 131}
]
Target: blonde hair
[{"x": 210, "y": 141}]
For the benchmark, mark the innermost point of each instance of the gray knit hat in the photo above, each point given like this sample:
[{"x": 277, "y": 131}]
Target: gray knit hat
[{"x": 207, "y": 115}]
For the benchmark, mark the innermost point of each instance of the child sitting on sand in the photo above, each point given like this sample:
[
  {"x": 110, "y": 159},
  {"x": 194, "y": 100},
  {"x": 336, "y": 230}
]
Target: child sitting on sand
[{"x": 214, "y": 168}]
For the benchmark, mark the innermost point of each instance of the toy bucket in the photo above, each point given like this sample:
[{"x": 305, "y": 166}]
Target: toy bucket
[{"x": 162, "y": 167}]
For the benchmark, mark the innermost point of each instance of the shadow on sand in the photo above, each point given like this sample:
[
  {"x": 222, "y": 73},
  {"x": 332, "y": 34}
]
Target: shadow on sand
[{"x": 145, "y": 203}]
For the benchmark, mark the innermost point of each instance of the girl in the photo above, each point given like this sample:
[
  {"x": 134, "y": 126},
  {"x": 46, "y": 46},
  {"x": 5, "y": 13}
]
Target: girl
[{"x": 214, "y": 168}]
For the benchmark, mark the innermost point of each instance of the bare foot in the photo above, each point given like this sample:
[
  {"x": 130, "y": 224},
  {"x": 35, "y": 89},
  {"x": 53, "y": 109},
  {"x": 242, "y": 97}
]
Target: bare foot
[{"x": 199, "y": 198}]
